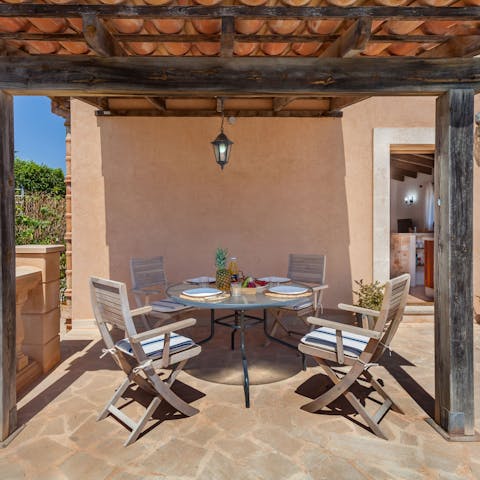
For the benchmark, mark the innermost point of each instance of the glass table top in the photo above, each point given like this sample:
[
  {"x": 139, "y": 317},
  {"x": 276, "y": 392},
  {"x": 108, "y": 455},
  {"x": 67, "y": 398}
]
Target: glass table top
[{"x": 248, "y": 301}]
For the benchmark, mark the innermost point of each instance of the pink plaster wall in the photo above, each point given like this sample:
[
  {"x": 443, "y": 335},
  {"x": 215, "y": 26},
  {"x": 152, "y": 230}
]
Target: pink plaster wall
[{"x": 293, "y": 185}]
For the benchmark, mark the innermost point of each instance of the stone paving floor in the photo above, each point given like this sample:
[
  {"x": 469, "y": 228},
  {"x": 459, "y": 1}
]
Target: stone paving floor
[{"x": 274, "y": 439}]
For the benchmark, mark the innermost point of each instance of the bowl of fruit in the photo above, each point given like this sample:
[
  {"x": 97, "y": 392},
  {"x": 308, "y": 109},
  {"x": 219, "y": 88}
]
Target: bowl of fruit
[{"x": 250, "y": 285}]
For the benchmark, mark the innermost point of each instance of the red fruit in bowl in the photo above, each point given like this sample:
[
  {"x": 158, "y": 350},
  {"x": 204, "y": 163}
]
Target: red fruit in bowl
[
  {"x": 251, "y": 285},
  {"x": 261, "y": 283}
]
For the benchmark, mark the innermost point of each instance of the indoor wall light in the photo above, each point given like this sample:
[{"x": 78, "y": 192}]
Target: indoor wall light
[{"x": 409, "y": 199}]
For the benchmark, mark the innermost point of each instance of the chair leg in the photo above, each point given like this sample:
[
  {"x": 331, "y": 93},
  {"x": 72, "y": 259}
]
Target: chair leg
[
  {"x": 143, "y": 420},
  {"x": 172, "y": 377},
  {"x": 371, "y": 422},
  {"x": 339, "y": 388},
  {"x": 119, "y": 392},
  {"x": 276, "y": 323},
  {"x": 379, "y": 389},
  {"x": 164, "y": 390}
]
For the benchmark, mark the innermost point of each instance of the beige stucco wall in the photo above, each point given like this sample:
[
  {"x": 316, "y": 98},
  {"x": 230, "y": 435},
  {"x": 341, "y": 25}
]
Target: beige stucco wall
[{"x": 293, "y": 185}]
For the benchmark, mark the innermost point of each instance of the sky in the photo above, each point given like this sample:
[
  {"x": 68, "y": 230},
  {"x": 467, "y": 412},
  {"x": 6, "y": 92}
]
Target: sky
[{"x": 39, "y": 134}]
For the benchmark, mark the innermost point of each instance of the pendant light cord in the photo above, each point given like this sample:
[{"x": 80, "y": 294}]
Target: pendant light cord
[{"x": 223, "y": 113}]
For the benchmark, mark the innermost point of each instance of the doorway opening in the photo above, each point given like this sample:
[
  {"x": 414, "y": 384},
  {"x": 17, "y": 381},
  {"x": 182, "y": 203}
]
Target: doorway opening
[{"x": 412, "y": 217}]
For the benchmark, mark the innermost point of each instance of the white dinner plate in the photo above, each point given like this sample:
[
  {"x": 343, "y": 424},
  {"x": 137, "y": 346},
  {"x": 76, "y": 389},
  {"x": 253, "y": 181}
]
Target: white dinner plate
[
  {"x": 288, "y": 290},
  {"x": 202, "y": 292},
  {"x": 199, "y": 280},
  {"x": 274, "y": 279}
]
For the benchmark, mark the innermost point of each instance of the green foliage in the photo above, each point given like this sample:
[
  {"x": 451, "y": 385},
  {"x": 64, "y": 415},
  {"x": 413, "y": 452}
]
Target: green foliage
[
  {"x": 221, "y": 255},
  {"x": 33, "y": 177},
  {"x": 40, "y": 219},
  {"x": 370, "y": 295}
]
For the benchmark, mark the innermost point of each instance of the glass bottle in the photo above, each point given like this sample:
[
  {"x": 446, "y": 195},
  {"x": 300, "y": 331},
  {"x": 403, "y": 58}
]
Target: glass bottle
[{"x": 233, "y": 269}]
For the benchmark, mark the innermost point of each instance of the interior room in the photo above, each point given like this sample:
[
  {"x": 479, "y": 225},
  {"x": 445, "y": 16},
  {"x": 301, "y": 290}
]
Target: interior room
[{"x": 412, "y": 219}]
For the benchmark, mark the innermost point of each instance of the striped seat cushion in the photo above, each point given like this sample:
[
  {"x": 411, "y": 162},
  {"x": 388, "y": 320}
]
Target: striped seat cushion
[
  {"x": 153, "y": 347},
  {"x": 324, "y": 337},
  {"x": 168, "y": 306}
]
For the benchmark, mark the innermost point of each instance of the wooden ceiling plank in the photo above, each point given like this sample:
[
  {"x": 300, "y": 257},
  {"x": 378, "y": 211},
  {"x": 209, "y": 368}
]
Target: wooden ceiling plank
[
  {"x": 422, "y": 160},
  {"x": 99, "y": 38},
  {"x": 404, "y": 173},
  {"x": 411, "y": 167},
  {"x": 396, "y": 176},
  {"x": 352, "y": 42},
  {"x": 61, "y": 75},
  {"x": 469, "y": 13},
  {"x": 226, "y": 41}
]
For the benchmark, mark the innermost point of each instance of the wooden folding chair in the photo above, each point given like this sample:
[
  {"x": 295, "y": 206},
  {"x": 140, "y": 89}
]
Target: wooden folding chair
[
  {"x": 310, "y": 270},
  {"x": 149, "y": 282},
  {"x": 358, "y": 348},
  {"x": 140, "y": 355}
]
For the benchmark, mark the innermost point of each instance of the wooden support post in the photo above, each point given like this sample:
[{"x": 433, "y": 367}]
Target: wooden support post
[
  {"x": 8, "y": 407},
  {"x": 454, "y": 380}
]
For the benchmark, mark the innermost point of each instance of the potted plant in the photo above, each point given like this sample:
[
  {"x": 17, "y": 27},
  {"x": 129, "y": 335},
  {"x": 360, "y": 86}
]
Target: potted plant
[{"x": 369, "y": 295}]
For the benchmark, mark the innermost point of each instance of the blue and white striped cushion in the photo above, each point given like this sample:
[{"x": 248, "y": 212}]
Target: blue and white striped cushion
[
  {"x": 325, "y": 337},
  {"x": 153, "y": 347}
]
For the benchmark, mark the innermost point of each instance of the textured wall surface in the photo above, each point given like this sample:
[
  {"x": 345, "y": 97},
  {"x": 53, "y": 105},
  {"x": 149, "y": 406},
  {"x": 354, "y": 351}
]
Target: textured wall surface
[{"x": 150, "y": 186}]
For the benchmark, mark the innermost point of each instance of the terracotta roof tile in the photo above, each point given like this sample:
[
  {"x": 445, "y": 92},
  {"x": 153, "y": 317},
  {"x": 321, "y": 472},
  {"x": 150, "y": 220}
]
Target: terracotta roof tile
[{"x": 243, "y": 26}]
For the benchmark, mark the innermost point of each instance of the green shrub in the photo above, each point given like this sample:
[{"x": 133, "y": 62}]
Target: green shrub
[
  {"x": 369, "y": 295},
  {"x": 40, "y": 219}
]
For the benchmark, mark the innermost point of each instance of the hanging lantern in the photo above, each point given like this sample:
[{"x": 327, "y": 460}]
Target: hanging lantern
[{"x": 222, "y": 145}]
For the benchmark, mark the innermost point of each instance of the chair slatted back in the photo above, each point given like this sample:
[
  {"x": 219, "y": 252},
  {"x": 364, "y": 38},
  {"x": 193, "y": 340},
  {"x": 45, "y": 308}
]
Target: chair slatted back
[
  {"x": 110, "y": 306},
  {"x": 393, "y": 306},
  {"x": 307, "y": 268},
  {"x": 147, "y": 272}
]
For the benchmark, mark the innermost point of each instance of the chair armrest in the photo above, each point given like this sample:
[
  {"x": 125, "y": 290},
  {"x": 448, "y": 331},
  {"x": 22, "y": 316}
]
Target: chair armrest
[
  {"x": 317, "y": 288},
  {"x": 139, "y": 337},
  {"x": 321, "y": 322},
  {"x": 140, "y": 311},
  {"x": 356, "y": 309}
]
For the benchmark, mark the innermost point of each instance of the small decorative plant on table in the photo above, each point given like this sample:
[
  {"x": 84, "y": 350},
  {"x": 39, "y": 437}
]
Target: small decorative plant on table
[
  {"x": 223, "y": 275},
  {"x": 369, "y": 295}
]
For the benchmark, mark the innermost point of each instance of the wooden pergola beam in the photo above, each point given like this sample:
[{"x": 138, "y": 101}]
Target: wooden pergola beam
[
  {"x": 227, "y": 38},
  {"x": 215, "y": 113},
  {"x": 237, "y": 11},
  {"x": 466, "y": 46},
  {"x": 454, "y": 370},
  {"x": 352, "y": 42},
  {"x": 158, "y": 102},
  {"x": 261, "y": 76},
  {"x": 279, "y": 103},
  {"x": 8, "y": 406},
  {"x": 339, "y": 103},
  {"x": 99, "y": 38},
  {"x": 237, "y": 37}
]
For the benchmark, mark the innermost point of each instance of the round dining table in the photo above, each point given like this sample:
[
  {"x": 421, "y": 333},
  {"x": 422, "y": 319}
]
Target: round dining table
[{"x": 239, "y": 319}]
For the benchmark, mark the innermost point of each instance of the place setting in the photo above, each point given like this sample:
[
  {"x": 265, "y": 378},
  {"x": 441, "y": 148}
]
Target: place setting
[{"x": 204, "y": 294}]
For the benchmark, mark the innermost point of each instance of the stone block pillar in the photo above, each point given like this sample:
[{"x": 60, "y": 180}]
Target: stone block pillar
[{"x": 41, "y": 311}]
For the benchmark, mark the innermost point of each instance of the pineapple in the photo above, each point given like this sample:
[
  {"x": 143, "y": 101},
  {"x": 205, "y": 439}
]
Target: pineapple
[{"x": 223, "y": 275}]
